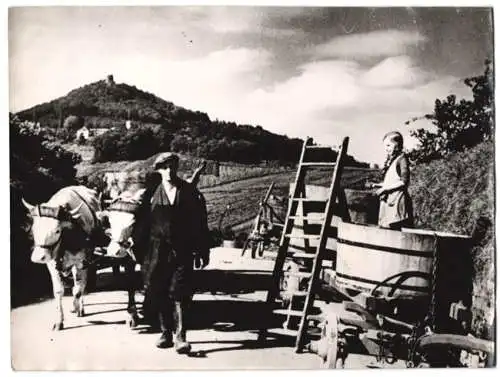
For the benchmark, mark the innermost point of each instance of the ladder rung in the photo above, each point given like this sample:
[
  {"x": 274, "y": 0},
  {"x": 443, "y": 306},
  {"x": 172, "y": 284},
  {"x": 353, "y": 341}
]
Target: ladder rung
[
  {"x": 295, "y": 293},
  {"x": 293, "y": 313},
  {"x": 279, "y": 225},
  {"x": 303, "y": 255},
  {"x": 302, "y": 274},
  {"x": 309, "y": 200},
  {"x": 316, "y": 317},
  {"x": 319, "y": 146},
  {"x": 281, "y": 331},
  {"x": 311, "y": 163},
  {"x": 303, "y": 236},
  {"x": 307, "y": 218}
]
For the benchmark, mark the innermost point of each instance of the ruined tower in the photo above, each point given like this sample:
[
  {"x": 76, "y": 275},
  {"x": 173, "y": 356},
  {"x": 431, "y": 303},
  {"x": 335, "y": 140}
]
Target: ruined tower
[{"x": 110, "y": 80}]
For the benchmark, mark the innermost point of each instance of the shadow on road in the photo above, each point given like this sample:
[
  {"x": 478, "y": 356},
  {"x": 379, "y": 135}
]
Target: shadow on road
[
  {"x": 124, "y": 309},
  {"x": 228, "y": 282},
  {"x": 96, "y": 323},
  {"x": 239, "y": 345},
  {"x": 211, "y": 281}
]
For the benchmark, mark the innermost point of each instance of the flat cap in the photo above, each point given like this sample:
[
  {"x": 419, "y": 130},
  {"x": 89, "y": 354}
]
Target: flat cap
[{"x": 164, "y": 157}]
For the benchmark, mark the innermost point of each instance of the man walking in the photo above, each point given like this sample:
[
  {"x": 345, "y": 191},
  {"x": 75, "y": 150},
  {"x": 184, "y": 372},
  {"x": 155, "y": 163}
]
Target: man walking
[{"x": 176, "y": 237}]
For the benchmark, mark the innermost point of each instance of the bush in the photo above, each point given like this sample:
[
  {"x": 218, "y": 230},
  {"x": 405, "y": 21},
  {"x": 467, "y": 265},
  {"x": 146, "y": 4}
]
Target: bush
[
  {"x": 119, "y": 145},
  {"x": 451, "y": 195},
  {"x": 38, "y": 168},
  {"x": 73, "y": 123}
]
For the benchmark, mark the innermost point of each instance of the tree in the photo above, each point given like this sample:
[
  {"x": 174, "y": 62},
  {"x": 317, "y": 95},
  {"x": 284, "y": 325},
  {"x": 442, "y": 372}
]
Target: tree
[
  {"x": 460, "y": 125},
  {"x": 73, "y": 123},
  {"x": 38, "y": 168}
]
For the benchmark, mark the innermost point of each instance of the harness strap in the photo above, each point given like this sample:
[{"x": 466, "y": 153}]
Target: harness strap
[
  {"x": 52, "y": 245},
  {"x": 94, "y": 216}
]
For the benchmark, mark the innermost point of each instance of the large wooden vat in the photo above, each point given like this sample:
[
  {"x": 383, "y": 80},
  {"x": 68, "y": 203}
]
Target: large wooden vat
[{"x": 368, "y": 255}]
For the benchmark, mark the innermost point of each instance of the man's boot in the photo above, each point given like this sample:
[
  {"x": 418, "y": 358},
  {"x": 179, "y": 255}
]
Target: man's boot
[
  {"x": 165, "y": 340},
  {"x": 181, "y": 345}
]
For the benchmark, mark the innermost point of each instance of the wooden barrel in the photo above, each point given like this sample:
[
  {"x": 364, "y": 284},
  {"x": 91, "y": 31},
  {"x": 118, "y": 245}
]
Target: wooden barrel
[
  {"x": 454, "y": 271},
  {"x": 363, "y": 206},
  {"x": 369, "y": 255}
]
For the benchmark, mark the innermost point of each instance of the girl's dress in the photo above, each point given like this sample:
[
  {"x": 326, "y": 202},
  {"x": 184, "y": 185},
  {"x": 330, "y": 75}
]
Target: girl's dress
[{"x": 396, "y": 209}]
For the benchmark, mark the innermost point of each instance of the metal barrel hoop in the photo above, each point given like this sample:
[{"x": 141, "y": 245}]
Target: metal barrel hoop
[{"x": 431, "y": 320}]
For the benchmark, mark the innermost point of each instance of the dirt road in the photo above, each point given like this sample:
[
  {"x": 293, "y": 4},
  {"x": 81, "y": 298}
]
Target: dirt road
[{"x": 223, "y": 335}]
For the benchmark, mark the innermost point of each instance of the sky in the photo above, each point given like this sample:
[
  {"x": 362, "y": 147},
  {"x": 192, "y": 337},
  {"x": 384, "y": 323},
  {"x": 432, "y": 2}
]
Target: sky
[{"x": 323, "y": 72}]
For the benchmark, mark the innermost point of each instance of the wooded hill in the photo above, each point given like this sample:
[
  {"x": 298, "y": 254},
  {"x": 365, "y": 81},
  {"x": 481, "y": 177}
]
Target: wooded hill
[{"x": 158, "y": 125}]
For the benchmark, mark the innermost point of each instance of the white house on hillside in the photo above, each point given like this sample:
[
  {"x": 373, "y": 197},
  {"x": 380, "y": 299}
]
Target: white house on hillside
[{"x": 84, "y": 131}]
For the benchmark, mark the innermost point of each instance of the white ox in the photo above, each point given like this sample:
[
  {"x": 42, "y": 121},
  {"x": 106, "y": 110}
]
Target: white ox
[
  {"x": 61, "y": 229},
  {"x": 124, "y": 229}
]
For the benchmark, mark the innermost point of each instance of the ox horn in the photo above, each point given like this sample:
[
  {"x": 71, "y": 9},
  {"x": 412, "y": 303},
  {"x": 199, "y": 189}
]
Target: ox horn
[
  {"x": 74, "y": 212},
  {"x": 27, "y": 205}
]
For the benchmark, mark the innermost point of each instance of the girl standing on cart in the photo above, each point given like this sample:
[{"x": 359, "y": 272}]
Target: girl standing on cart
[{"x": 396, "y": 209}]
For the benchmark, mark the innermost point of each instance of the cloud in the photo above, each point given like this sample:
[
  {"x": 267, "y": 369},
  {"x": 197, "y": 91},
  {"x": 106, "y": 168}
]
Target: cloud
[
  {"x": 335, "y": 98},
  {"x": 241, "y": 20},
  {"x": 394, "y": 72},
  {"x": 325, "y": 100},
  {"x": 369, "y": 45},
  {"x": 319, "y": 85},
  {"x": 338, "y": 88},
  {"x": 213, "y": 83}
]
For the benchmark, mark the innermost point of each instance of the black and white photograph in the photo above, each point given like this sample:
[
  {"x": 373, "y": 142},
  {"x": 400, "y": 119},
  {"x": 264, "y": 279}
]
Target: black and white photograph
[{"x": 251, "y": 187}]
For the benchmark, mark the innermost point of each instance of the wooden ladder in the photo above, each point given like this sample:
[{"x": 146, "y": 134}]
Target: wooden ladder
[{"x": 334, "y": 204}]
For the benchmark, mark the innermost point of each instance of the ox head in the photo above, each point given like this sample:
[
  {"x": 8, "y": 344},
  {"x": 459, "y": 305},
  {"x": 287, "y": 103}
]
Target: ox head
[
  {"x": 121, "y": 218},
  {"x": 47, "y": 229}
]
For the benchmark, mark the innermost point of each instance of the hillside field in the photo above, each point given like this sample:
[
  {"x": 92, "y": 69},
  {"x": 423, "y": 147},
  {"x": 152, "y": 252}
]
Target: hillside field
[
  {"x": 238, "y": 186},
  {"x": 243, "y": 196}
]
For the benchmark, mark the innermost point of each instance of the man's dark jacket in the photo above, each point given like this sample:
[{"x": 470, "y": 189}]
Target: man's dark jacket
[{"x": 169, "y": 236}]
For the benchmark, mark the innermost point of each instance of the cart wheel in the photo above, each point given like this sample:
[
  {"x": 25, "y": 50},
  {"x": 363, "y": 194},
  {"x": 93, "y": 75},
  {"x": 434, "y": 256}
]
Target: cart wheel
[
  {"x": 340, "y": 364},
  {"x": 330, "y": 333},
  {"x": 474, "y": 350},
  {"x": 401, "y": 278}
]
